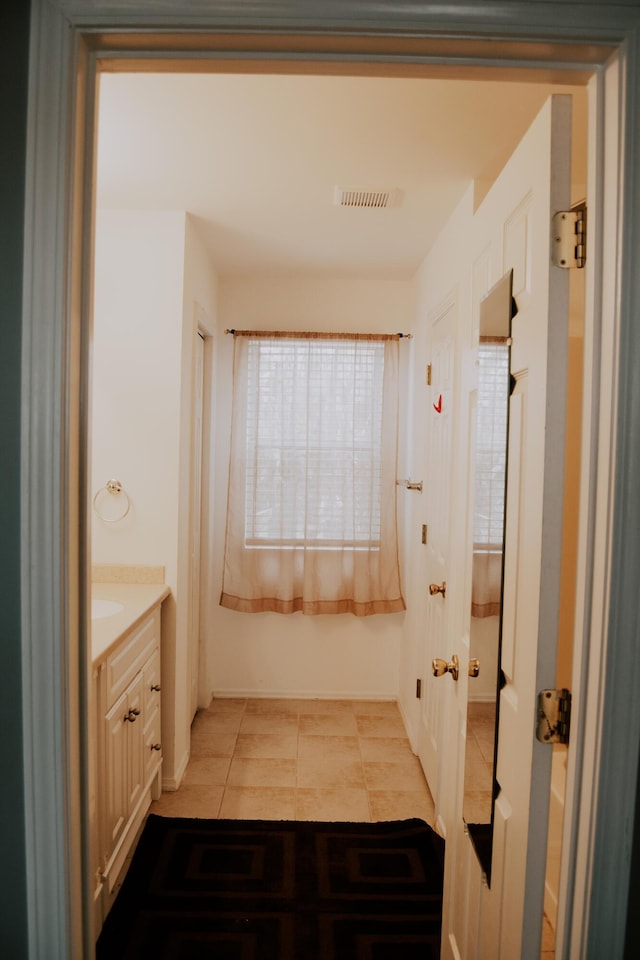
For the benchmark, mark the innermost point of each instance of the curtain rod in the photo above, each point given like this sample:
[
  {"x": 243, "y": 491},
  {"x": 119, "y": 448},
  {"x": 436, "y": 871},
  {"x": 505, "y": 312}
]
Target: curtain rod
[{"x": 306, "y": 335}]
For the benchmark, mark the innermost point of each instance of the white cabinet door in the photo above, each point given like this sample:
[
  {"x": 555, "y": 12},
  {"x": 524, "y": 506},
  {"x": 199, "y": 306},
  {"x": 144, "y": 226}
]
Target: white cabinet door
[
  {"x": 115, "y": 784},
  {"x": 124, "y": 742},
  {"x": 135, "y": 743}
]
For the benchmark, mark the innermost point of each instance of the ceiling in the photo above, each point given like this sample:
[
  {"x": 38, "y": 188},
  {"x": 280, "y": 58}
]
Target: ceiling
[{"x": 256, "y": 160}]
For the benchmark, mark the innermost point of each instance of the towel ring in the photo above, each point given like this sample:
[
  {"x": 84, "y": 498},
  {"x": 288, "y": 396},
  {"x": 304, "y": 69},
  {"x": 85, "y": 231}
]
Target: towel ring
[{"x": 112, "y": 488}]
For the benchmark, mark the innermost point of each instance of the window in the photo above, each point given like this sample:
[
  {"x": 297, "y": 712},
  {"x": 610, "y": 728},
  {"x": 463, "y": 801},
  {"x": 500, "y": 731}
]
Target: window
[
  {"x": 314, "y": 432},
  {"x": 490, "y": 478},
  {"x": 311, "y": 518},
  {"x": 491, "y": 445}
]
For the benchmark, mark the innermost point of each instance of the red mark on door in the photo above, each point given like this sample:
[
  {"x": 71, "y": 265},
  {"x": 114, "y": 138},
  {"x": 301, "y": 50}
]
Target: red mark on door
[{"x": 438, "y": 406}]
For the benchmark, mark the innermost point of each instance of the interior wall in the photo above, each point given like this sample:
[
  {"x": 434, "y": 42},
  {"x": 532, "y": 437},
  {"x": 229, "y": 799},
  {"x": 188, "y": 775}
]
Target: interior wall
[
  {"x": 150, "y": 272},
  {"x": 269, "y": 654},
  {"x": 135, "y": 403}
]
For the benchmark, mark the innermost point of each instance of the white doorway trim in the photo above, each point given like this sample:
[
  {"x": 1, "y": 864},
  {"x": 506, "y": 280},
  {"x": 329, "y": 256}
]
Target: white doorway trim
[{"x": 67, "y": 36}]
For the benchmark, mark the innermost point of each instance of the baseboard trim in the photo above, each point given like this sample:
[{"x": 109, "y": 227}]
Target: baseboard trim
[
  {"x": 409, "y": 727},
  {"x": 243, "y": 694},
  {"x": 171, "y": 784}
]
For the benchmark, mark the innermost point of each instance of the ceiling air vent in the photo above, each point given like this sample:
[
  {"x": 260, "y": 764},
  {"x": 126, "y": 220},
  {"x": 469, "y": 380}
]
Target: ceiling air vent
[{"x": 361, "y": 197}]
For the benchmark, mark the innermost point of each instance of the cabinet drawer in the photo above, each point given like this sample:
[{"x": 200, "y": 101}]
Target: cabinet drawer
[{"x": 129, "y": 657}]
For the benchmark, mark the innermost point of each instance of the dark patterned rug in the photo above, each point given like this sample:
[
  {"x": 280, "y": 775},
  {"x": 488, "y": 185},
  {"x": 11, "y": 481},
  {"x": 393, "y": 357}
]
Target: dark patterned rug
[{"x": 279, "y": 890}]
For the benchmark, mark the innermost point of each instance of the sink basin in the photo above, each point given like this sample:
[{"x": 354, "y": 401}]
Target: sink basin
[{"x": 104, "y": 608}]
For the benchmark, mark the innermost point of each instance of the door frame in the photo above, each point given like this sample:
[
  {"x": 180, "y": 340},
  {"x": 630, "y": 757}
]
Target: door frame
[{"x": 426, "y": 38}]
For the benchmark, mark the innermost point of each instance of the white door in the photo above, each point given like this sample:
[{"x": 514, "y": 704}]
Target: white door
[
  {"x": 515, "y": 221},
  {"x": 439, "y": 422},
  {"x": 196, "y": 520}
]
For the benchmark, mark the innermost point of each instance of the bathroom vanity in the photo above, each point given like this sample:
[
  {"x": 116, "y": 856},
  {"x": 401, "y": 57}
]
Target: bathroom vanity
[{"x": 125, "y": 711}]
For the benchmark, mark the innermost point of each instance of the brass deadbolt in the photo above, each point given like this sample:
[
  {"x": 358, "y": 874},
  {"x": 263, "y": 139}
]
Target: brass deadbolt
[{"x": 474, "y": 667}]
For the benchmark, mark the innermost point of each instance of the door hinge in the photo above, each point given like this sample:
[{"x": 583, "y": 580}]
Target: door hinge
[
  {"x": 418, "y": 688},
  {"x": 569, "y": 237},
  {"x": 424, "y": 534},
  {"x": 554, "y": 716},
  {"x": 428, "y": 374}
]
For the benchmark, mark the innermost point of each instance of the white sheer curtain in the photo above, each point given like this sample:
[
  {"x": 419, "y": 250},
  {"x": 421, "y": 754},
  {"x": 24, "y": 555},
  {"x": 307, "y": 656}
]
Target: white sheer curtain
[{"x": 311, "y": 516}]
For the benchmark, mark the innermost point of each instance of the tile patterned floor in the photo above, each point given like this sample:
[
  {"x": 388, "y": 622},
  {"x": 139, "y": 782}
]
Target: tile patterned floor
[
  {"x": 478, "y": 768},
  {"x": 304, "y": 760},
  {"x": 300, "y": 759},
  {"x": 548, "y": 951}
]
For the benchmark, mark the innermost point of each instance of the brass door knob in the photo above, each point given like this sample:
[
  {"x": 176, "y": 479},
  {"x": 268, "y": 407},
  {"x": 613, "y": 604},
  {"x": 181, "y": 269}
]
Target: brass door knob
[
  {"x": 436, "y": 588},
  {"x": 440, "y": 667},
  {"x": 474, "y": 667}
]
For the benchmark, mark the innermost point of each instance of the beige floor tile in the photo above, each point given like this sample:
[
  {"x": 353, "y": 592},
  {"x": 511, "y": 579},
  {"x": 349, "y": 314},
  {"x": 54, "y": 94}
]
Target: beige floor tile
[
  {"x": 483, "y": 726},
  {"x": 318, "y": 747},
  {"x": 191, "y": 800},
  {"x": 275, "y": 708},
  {"x": 338, "y": 803},
  {"x": 214, "y": 723},
  {"x": 224, "y": 705},
  {"x": 481, "y": 710},
  {"x": 376, "y": 708},
  {"x": 472, "y": 750},
  {"x": 267, "y": 724},
  {"x": 387, "y": 726},
  {"x": 313, "y": 759},
  {"x": 308, "y": 708},
  {"x": 329, "y": 725},
  {"x": 486, "y": 743},
  {"x": 270, "y": 746},
  {"x": 402, "y": 805},
  {"x": 385, "y": 748},
  {"x": 405, "y": 775},
  {"x": 548, "y": 936},
  {"x": 207, "y": 744},
  {"x": 258, "y": 803},
  {"x": 260, "y": 772},
  {"x": 477, "y": 806},
  {"x": 330, "y": 771},
  {"x": 478, "y": 775},
  {"x": 207, "y": 770}
]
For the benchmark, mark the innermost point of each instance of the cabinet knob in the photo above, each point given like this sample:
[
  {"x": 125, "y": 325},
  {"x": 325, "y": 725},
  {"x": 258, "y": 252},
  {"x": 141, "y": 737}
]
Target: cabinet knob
[
  {"x": 131, "y": 716},
  {"x": 156, "y": 746},
  {"x": 155, "y": 687},
  {"x": 436, "y": 588}
]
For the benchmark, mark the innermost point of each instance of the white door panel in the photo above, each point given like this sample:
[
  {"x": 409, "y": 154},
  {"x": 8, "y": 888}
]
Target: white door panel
[
  {"x": 511, "y": 230},
  {"x": 195, "y": 523},
  {"x": 434, "y": 729},
  {"x": 540, "y": 173}
]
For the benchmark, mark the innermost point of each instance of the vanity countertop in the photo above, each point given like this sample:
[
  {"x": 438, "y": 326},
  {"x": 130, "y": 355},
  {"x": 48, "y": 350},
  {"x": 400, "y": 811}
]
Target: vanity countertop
[{"x": 137, "y": 599}]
